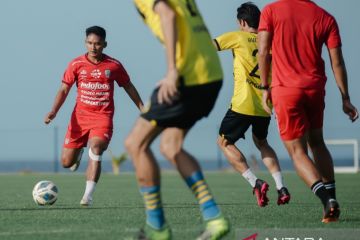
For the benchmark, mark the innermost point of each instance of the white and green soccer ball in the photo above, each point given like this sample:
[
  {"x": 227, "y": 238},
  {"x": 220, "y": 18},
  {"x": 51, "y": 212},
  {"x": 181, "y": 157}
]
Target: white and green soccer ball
[{"x": 45, "y": 193}]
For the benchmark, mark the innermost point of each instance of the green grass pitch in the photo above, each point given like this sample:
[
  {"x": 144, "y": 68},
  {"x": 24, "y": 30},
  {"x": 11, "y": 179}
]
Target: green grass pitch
[{"x": 118, "y": 210}]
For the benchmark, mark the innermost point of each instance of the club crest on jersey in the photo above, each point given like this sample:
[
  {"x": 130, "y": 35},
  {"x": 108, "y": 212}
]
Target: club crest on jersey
[
  {"x": 96, "y": 73},
  {"x": 107, "y": 73}
]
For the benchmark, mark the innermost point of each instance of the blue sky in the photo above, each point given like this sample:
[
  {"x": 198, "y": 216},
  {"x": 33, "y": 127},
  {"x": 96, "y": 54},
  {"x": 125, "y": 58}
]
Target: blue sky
[{"x": 40, "y": 37}]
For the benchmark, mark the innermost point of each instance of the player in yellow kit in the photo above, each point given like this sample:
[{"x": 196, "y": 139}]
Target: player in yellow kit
[
  {"x": 186, "y": 94},
  {"x": 246, "y": 106}
]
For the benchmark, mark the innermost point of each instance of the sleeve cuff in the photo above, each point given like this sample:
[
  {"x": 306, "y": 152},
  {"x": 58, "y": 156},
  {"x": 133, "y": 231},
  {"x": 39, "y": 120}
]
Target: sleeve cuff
[{"x": 217, "y": 45}]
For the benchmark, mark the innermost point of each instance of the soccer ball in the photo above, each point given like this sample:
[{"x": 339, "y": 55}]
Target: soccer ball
[{"x": 45, "y": 193}]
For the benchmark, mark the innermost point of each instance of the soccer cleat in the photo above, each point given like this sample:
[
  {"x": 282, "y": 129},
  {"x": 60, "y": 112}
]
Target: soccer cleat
[
  {"x": 150, "y": 233},
  {"x": 76, "y": 165},
  {"x": 86, "y": 202},
  {"x": 283, "y": 196},
  {"x": 331, "y": 211},
  {"x": 260, "y": 190},
  {"x": 215, "y": 229}
]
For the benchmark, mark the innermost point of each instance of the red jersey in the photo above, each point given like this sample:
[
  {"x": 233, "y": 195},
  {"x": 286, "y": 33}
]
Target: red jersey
[
  {"x": 299, "y": 28},
  {"x": 95, "y": 84}
]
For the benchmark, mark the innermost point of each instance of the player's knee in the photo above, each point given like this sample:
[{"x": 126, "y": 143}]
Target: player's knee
[
  {"x": 165, "y": 150},
  {"x": 315, "y": 138},
  {"x": 296, "y": 151},
  {"x": 134, "y": 148},
  {"x": 95, "y": 153},
  {"x": 127, "y": 144},
  {"x": 130, "y": 146},
  {"x": 315, "y": 142},
  {"x": 259, "y": 142},
  {"x": 221, "y": 141},
  {"x": 168, "y": 150},
  {"x": 66, "y": 161}
]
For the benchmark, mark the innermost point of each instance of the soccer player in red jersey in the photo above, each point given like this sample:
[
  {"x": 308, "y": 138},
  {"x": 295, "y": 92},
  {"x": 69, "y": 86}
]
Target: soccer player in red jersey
[
  {"x": 94, "y": 74},
  {"x": 295, "y": 31}
]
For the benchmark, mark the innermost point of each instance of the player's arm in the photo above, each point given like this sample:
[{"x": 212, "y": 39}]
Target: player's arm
[
  {"x": 264, "y": 59},
  {"x": 58, "y": 102},
  {"x": 167, "y": 86},
  {"x": 340, "y": 74},
  {"x": 134, "y": 95}
]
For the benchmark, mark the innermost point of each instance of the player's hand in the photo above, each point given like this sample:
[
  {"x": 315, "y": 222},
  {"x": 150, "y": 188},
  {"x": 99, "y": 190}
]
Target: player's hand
[
  {"x": 266, "y": 99},
  {"x": 168, "y": 91},
  {"x": 350, "y": 110},
  {"x": 49, "y": 117}
]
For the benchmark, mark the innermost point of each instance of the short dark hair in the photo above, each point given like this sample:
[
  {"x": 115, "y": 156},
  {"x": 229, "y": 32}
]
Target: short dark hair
[
  {"x": 99, "y": 31},
  {"x": 250, "y": 13}
]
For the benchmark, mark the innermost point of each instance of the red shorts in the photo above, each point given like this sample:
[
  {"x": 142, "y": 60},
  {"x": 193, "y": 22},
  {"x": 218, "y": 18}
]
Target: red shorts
[
  {"x": 84, "y": 127},
  {"x": 298, "y": 110}
]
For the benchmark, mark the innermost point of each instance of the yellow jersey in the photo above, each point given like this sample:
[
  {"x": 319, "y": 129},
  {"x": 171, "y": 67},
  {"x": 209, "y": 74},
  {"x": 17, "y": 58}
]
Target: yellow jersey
[
  {"x": 247, "y": 97},
  {"x": 196, "y": 58}
]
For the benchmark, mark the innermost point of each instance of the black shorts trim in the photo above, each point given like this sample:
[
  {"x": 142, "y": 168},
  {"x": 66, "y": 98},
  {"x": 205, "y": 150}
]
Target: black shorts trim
[
  {"x": 234, "y": 126},
  {"x": 195, "y": 102}
]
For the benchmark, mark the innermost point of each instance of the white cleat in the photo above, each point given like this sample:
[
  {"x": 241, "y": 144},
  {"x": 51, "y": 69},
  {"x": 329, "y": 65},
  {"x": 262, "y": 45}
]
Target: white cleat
[
  {"x": 86, "y": 202},
  {"x": 76, "y": 165}
]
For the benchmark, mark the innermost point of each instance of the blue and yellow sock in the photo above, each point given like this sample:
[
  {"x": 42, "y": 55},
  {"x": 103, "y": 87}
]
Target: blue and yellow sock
[
  {"x": 154, "y": 211},
  {"x": 202, "y": 193}
]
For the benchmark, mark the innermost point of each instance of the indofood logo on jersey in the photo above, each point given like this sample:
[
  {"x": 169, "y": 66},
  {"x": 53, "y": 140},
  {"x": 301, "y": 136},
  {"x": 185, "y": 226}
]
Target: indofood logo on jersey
[
  {"x": 96, "y": 73},
  {"x": 95, "y": 86}
]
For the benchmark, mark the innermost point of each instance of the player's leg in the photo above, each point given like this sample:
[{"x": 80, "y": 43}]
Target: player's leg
[
  {"x": 323, "y": 159},
  {"x": 321, "y": 154},
  {"x": 271, "y": 162},
  {"x": 315, "y": 106},
  {"x": 236, "y": 159},
  {"x": 148, "y": 176},
  {"x": 171, "y": 147},
  {"x": 260, "y": 127},
  {"x": 233, "y": 127},
  {"x": 195, "y": 103},
  {"x": 70, "y": 156},
  {"x": 304, "y": 166},
  {"x": 75, "y": 141},
  {"x": 293, "y": 120},
  {"x": 97, "y": 146},
  {"x": 307, "y": 170}
]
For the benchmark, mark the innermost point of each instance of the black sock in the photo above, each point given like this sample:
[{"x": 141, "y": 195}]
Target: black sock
[
  {"x": 319, "y": 189},
  {"x": 331, "y": 188}
]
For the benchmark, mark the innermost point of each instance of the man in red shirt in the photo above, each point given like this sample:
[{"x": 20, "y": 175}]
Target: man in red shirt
[
  {"x": 295, "y": 31},
  {"x": 92, "y": 119}
]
